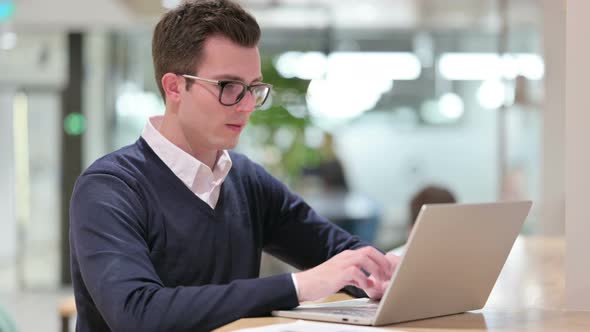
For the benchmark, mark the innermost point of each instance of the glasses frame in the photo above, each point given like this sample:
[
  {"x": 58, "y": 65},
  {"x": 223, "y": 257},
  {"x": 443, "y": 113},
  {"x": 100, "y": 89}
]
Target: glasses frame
[{"x": 224, "y": 83}]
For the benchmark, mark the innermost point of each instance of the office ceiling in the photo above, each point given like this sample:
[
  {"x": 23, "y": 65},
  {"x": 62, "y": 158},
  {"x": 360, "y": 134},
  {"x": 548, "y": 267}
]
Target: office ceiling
[
  {"x": 406, "y": 14},
  {"x": 402, "y": 14}
]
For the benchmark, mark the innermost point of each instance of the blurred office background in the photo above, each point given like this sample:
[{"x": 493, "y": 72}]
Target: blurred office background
[{"x": 373, "y": 101}]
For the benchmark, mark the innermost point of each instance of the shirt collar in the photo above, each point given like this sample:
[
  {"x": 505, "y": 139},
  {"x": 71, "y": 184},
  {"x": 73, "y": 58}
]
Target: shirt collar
[{"x": 186, "y": 167}]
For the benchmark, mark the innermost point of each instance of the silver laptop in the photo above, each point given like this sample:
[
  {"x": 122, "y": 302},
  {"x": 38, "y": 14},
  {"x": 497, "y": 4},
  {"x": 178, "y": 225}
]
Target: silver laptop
[{"x": 453, "y": 258}]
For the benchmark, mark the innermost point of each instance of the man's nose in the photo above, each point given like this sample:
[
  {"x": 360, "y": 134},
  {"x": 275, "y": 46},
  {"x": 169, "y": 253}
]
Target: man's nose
[{"x": 248, "y": 103}]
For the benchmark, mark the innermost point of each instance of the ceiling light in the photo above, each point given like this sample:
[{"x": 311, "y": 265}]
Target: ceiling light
[
  {"x": 170, "y": 4},
  {"x": 484, "y": 66}
]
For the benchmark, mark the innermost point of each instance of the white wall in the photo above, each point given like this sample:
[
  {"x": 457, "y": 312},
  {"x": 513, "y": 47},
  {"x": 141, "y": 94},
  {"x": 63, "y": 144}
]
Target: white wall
[
  {"x": 7, "y": 212},
  {"x": 36, "y": 67},
  {"x": 577, "y": 156},
  {"x": 45, "y": 126},
  {"x": 390, "y": 160},
  {"x": 96, "y": 82},
  {"x": 552, "y": 220}
]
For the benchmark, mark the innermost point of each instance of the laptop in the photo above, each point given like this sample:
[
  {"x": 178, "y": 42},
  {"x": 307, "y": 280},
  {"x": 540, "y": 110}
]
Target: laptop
[{"x": 453, "y": 258}]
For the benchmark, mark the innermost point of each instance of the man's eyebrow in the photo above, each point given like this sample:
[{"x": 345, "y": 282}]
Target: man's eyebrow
[{"x": 236, "y": 78}]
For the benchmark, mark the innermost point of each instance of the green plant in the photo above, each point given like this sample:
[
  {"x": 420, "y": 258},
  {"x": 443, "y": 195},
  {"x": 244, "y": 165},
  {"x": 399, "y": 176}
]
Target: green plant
[{"x": 287, "y": 110}]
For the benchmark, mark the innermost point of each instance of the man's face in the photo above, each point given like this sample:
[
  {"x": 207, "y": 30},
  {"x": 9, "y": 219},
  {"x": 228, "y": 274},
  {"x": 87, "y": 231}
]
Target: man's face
[{"x": 206, "y": 124}]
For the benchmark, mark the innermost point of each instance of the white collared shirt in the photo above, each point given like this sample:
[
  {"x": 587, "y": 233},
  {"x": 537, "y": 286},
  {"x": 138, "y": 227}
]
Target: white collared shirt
[{"x": 197, "y": 176}]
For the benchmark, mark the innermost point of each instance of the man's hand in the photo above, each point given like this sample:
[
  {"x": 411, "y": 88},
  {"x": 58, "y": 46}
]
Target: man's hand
[
  {"x": 366, "y": 268},
  {"x": 380, "y": 285}
]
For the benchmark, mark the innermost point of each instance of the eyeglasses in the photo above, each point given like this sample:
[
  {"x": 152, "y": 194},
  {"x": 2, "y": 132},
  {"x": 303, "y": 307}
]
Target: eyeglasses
[{"x": 232, "y": 92}]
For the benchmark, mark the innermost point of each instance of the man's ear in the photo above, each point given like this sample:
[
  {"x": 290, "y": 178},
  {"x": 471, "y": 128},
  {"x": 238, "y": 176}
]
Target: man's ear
[{"x": 172, "y": 85}]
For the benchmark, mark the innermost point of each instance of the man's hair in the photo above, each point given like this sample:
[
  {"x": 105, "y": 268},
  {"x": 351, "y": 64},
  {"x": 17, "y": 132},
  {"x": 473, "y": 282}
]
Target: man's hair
[
  {"x": 177, "y": 44},
  {"x": 429, "y": 195}
]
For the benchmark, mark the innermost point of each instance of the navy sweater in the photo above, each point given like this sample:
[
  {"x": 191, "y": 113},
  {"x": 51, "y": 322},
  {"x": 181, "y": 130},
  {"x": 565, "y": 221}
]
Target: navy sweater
[{"x": 149, "y": 255}]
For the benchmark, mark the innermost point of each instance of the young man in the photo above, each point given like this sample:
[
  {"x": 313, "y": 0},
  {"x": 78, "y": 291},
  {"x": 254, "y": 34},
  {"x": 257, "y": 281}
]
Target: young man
[{"x": 166, "y": 234}]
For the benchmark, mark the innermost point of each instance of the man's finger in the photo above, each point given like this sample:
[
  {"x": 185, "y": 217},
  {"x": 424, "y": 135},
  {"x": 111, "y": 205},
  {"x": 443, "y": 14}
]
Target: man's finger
[{"x": 372, "y": 256}]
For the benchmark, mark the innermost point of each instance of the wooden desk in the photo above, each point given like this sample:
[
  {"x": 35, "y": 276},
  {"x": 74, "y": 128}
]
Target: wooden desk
[{"x": 528, "y": 296}]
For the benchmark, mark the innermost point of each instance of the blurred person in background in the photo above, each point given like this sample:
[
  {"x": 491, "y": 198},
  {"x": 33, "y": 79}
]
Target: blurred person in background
[
  {"x": 354, "y": 211},
  {"x": 428, "y": 195},
  {"x": 166, "y": 234}
]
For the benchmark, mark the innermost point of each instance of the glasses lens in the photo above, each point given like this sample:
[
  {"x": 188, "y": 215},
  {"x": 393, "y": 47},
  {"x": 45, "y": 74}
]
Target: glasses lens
[
  {"x": 231, "y": 93},
  {"x": 260, "y": 93}
]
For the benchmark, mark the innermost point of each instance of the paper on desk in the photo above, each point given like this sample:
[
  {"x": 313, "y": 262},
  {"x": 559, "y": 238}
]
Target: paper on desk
[{"x": 307, "y": 326}]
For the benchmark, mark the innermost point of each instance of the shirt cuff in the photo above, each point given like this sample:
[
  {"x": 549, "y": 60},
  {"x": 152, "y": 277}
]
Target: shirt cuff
[{"x": 295, "y": 285}]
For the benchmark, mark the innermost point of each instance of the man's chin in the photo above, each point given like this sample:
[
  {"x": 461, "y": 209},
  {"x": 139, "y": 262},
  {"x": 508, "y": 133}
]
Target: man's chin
[{"x": 229, "y": 145}]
